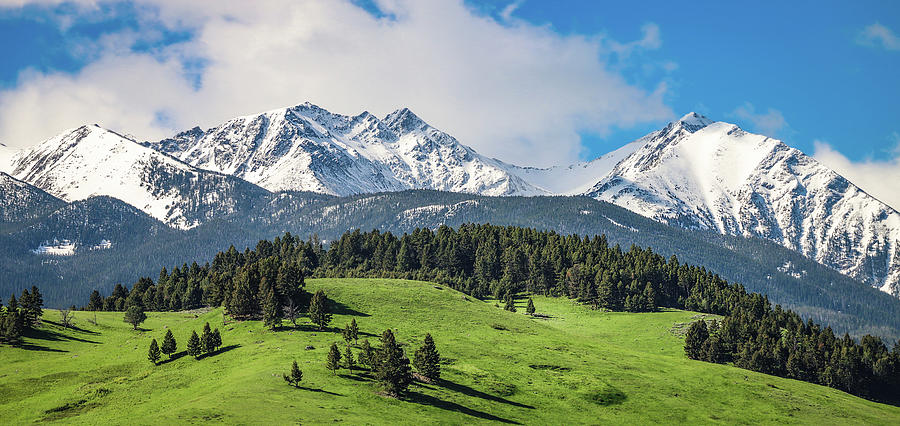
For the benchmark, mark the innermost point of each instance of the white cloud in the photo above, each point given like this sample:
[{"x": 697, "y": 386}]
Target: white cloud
[
  {"x": 878, "y": 178},
  {"x": 513, "y": 90},
  {"x": 770, "y": 123},
  {"x": 879, "y": 35}
]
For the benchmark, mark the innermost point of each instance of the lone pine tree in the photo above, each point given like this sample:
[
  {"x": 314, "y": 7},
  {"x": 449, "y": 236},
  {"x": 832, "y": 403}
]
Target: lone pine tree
[
  {"x": 207, "y": 342},
  {"x": 366, "y": 354},
  {"x": 530, "y": 308},
  {"x": 392, "y": 366},
  {"x": 153, "y": 353},
  {"x": 349, "y": 361},
  {"x": 694, "y": 339},
  {"x": 168, "y": 345},
  {"x": 319, "y": 312},
  {"x": 295, "y": 376},
  {"x": 135, "y": 316},
  {"x": 216, "y": 339},
  {"x": 334, "y": 358},
  {"x": 193, "y": 346},
  {"x": 354, "y": 330},
  {"x": 510, "y": 303},
  {"x": 427, "y": 360}
]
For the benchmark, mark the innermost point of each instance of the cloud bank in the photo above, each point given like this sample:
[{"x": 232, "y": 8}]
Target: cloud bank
[
  {"x": 878, "y": 178},
  {"x": 877, "y": 35},
  {"x": 510, "y": 89}
]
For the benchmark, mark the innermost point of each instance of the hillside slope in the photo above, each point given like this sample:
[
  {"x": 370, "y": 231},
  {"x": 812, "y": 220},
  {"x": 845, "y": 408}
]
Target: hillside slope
[{"x": 576, "y": 367}]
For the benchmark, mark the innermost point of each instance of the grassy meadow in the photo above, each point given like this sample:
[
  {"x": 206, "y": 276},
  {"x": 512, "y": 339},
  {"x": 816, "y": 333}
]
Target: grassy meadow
[{"x": 570, "y": 365}]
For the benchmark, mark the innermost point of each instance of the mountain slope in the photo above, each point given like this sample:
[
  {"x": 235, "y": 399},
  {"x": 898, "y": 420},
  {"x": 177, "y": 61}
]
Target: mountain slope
[
  {"x": 701, "y": 174},
  {"x": 306, "y": 148},
  {"x": 21, "y": 202},
  {"x": 90, "y": 161}
]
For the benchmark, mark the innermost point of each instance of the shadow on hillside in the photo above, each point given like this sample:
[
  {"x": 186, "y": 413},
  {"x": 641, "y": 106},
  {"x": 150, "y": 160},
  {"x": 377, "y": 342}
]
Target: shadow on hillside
[
  {"x": 352, "y": 376},
  {"x": 174, "y": 356},
  {"x": 53, "y": 336},
  {"x": 339, "y": 308},
  {"x": 318, "y": 390},
  {"x": 221, "y": 350},
  {"x": 424, "y": 399},
  {"x": 72, "y": 327},
  {"x": 39, "y": 348},
  {"x": 465, "y": 390}
]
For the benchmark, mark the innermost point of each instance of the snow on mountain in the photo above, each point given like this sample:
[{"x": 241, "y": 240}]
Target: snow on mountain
[
  {"x": 307, "y": 148},
  {"x": 20, "y": 201},
  {"x": 697, "y": 173},
  {"x": 91, "y": 161}
]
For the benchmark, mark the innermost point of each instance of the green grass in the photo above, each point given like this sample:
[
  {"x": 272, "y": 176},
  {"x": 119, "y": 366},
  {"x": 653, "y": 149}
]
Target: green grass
[{"x": 576, "y": 366}]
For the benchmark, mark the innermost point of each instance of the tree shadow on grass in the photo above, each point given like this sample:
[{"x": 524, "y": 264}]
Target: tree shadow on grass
[
  {"x": 53, "y": 336},
  {"x": 339, "y": 308},
  {"x": 174, "y": 356},
  {"x": 33, "y": 347},
  {"x": 424, "y": 399},
  {"x": 354, "y": 377},
  {"x": 479, "y": 394},
  {"x": 318, "y": 390},
  {"x": 71, "y": 327},
  {"x": 221, "y": 350}
]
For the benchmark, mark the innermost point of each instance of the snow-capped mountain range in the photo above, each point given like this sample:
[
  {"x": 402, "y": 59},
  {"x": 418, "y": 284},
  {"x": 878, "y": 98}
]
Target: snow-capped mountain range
[{"x": 694, "y": 173}]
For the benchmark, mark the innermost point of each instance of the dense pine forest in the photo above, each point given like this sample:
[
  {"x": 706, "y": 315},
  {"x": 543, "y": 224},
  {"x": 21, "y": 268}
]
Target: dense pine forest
[{"x": 503, "y": 262}]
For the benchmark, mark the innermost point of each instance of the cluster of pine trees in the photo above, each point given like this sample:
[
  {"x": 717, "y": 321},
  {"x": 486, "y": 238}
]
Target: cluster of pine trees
[
  {"x": 20, "y": 314},
  {"x": 778, "y": 342},
  {"x": 480, "y": 260},
  {"x": 387, "y": 362},
  {"x": 206, "y": 344}
]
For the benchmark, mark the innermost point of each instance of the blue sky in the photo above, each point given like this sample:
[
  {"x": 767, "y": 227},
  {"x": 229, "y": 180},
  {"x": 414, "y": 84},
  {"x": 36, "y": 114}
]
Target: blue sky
[{"x": 805, "y": 72}]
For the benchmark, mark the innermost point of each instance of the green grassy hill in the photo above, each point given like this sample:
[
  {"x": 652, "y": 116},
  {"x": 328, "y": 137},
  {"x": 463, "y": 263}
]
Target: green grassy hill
[{"x": 575, "y": 366}]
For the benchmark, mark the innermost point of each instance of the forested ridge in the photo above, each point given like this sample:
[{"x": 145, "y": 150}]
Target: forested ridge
[{"x": 501, "y": 262}]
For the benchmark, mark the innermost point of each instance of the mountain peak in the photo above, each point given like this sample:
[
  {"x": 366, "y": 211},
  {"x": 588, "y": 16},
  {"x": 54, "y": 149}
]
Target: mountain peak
[
  {"x": 693, "y": 121},
  {"x": 403, "y": 120}
]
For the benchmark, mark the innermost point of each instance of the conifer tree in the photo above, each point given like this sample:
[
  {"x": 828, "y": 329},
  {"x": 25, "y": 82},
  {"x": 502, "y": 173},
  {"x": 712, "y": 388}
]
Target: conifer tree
[
  {"x": 354, "y": 330},
  {"x": 392, "y": 366},
  {"x": 153, "y": 353},
  {"x": 295, "y": 377},
  {"x": 334, "y": 358},
  {"x": 427, "y": 360},
  {"x": 193, "y": 346},
  {"x": 33, "y": 307},
  {"x": 96, "y": 302},
  {"x": 272, "y": 310},
  {"x": 510, "y": 303},
  {"x": 207, "y": 342},
  {"x": 216, "y": 339},
  {"x": 13, "y": 305},
  {"x": 135, "y": 316},
  {"x": 319, "y": 311},
  {"x": 694, "y": 339},
  {"x": 169, "y": 345},
  {"x": 530, "y": 308},
  {"x": 12, "y": 327},
  {"x": 346, "y": 334},
  {"x": 366, "y": 354},
  {"x": 348, "y": 359}
]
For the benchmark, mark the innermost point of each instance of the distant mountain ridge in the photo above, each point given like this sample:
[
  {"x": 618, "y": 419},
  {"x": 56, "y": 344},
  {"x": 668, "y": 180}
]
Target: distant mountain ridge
[{"x": 694, "y": 173}]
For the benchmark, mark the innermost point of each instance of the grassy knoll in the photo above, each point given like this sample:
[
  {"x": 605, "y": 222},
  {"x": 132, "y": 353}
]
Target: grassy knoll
[{"x": 574, "y": 366}]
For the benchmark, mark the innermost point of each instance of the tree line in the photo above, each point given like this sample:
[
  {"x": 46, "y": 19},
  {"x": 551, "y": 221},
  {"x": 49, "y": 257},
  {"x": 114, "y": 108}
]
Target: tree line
[
  {"x": 500, "y": 262},
  {"x": 20, "y": 315}
]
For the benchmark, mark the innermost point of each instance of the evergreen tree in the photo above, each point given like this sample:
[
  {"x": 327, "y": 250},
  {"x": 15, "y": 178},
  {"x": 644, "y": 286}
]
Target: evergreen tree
[
  {"x": 295, "y": 377},
  {"x": 135, "y": 316},
  {"x": 319, "y": 311},
  {"x": 96, "y": 301},
  {"x": 169, "y": 345},
  {"x": 346, "y": 334},
  {"x": 695, "y": 339},
  {"x": 272, "y": 310},
  {"x": 216, "y": 339},
  {"x": 530, "y": 308},
  {"x": 12, "y": 327},
  {"x": 348, "y": 359},
  {"x": 153, "y": 354},
  {"x": 392, "y": 366},
  {"x": 193, "y": 346},
  {"x": 334, "y": 358},
  {"x": 354, "y": 330},
  {"x": 207, "y": 341},
  {"x": 510, "y": 303},
  {"x": 427, "y": 360},
  {"x": 366, "y": 354},
  {"x": 13, "y": 304}
]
